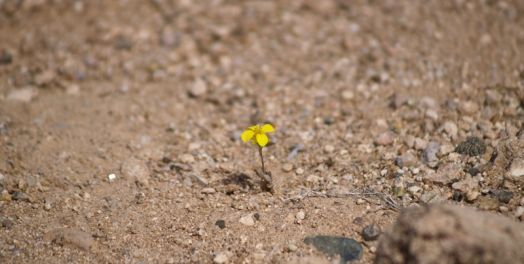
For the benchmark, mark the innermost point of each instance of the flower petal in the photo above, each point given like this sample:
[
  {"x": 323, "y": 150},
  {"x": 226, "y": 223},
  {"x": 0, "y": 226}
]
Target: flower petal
[
  {"x": 262, "y": 140},
  {"x": 267, "y": 128},
  {"x": 247, "y": 135}
]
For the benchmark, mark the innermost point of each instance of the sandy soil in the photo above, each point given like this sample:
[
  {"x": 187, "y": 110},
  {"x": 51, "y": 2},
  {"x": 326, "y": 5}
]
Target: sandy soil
[{"x": 157, "y": 93}]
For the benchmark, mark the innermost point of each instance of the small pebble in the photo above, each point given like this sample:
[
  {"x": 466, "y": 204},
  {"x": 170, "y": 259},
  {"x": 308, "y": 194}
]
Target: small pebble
[
  {"x": 519, "y": 211},
  {"x": 360, "y": 201},
  {"x": 429, "y": 155},
  {"x": 472, "y": 195},
  {"x": 5, "y": 57},
  {"x": 221, "y": 223},
  {"x": 123, "y": 43},
  {"x": 329, "y": 149},
  {"x": 24, "y": 95},
  {"x": 406, "y": 160},
  {"x": 420, "y": 144},
  {"x": 111, "y": 177},
  {"x": 208, "y": 190},
  {"x": 301, "y": 215},
  {"x": 299, "y": 171},
  {"x": 348, "y": 95},
  {"x": 384, "y": 139},
  {"x": 5, "y": 196},
  {"x": 287, "y": 167},
  {"x": 468, "y": 108},
  {"x": 292, "y": 247},
  {"x": 504, "y": 196},
  {"x": 247, "y": 220},
  {"x": 371, "y": 232},
  {"x": 198, "y": 89},
  {"x": 20, "y": 196},
  {"x": 221, "y": 258},
  {"x": 517, "y": 168},
  {"x": 187, "y": 158},
  {"x": 372, "y": 249},
  {"x": 7, "y": 223}
]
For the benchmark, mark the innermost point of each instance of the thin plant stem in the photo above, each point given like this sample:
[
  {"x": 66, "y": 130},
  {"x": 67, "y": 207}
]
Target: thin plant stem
[{"x": 262, "y": 159}]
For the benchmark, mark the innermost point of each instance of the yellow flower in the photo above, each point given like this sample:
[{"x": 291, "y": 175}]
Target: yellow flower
[{"x": 257, "y": 134}]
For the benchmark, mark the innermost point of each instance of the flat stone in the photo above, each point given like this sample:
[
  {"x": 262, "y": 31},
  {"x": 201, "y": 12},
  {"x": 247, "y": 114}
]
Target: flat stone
[
  {"x": 221, "y": 257},
  {"x": 247, "y": 220},
  {"x": 70, "y": 236},
  {"x": 208, "y": 190},
  {"x": 487, "y": 203},
  {"x": 329, "y": 149},
  {"x": 466, "y": 185},
  {"x": 432, "y": 197},
  {"x": 24, "y": 95},
  {"x": 445, "y": 173},
  {"x": 44, "y": 78},
  {"x": 20, "y": 196},
  {"x": 348, "y": 249}
]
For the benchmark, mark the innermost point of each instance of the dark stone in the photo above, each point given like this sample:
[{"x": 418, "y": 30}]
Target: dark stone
[
  {"x": 358, "y": 220},
  {"x": 221, "y": 223},
  {"x": 472, "y": 146},
  {"x": 329, "y": 120},
  {"x": 457, "y": 196},
  {"x": 7, "y": 223},
  {"x": 20, "y": 196},
  {"x": 256, "y": 216},
  {"x": 473, "y": 171},
  {"x": 5, "y": 57},
  {"x": 123, "y": 43},
  {"x": 348, "y": 249},
  {"x": 504, "y": 196},
  {"x": 371, "y": 232}
]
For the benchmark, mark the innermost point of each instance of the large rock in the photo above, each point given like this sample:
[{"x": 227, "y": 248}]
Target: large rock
[{"x": 451, "y": 234}]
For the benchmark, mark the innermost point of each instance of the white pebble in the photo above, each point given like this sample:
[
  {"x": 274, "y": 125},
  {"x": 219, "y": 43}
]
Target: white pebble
[{"x": 111, "y": 177}]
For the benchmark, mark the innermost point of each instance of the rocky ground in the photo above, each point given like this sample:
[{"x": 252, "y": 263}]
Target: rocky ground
[{"x": 120, "y": 125}]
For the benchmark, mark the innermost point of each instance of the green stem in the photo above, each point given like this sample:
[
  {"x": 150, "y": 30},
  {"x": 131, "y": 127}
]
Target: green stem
[{"x": 262, "y": 159}]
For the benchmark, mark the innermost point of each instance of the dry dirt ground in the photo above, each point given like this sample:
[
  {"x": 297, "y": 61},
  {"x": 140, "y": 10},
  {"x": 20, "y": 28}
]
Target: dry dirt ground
[{"x": 364, "y": 95}]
